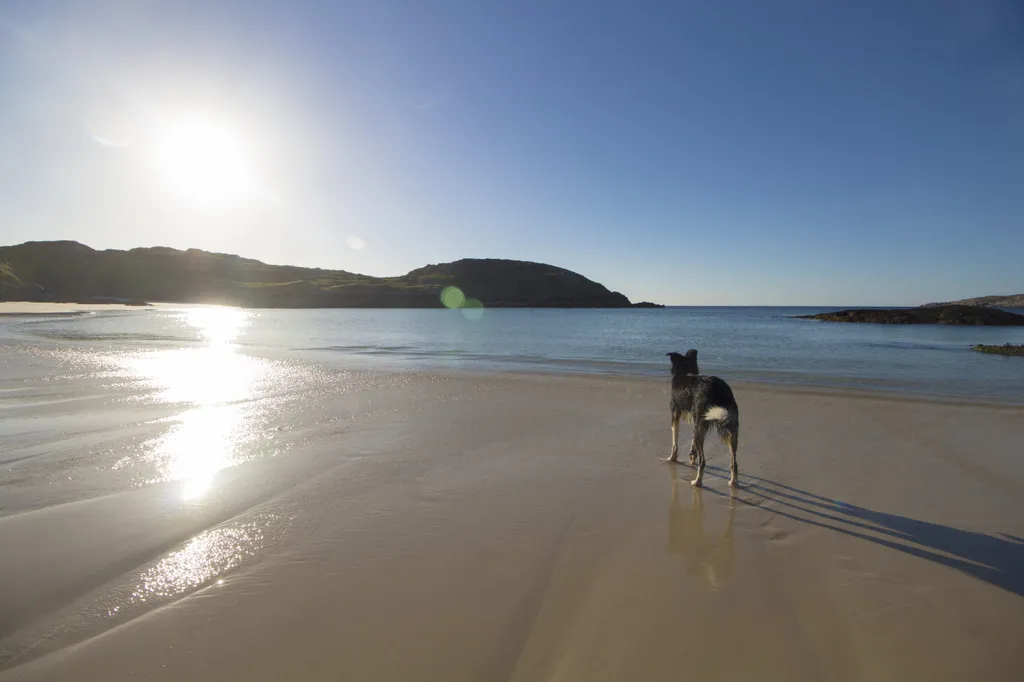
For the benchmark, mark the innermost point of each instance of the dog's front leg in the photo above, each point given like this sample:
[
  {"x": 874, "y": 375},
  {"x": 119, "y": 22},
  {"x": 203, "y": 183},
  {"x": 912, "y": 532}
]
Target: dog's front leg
[{"x": 675, "y": 437}]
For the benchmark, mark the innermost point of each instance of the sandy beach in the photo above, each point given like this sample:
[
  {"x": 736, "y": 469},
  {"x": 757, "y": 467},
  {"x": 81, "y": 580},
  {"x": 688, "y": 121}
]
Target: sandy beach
[
  {"x": 447, "y": 526},
  {"x": 30, "y": 308}
]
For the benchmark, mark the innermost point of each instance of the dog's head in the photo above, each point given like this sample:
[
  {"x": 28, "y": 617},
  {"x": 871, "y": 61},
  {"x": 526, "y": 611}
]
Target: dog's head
[{"x": 684, "y": 364}]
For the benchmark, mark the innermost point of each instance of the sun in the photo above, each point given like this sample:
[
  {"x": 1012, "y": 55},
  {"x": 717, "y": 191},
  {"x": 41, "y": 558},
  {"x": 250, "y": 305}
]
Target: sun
[{"x": 204, "y": 161}]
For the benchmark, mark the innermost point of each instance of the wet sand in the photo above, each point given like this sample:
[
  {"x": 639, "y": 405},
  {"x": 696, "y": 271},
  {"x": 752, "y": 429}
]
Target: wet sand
[{"x": 461, "y": 527}]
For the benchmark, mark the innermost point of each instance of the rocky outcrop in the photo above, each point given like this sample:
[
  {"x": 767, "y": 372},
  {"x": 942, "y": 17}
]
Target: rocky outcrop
[
  {"x": 949, "y": 314},
  {"x": 1006, "y": 349}
]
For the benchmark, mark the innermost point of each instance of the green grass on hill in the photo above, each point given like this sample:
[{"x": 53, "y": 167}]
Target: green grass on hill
[
  {"x": 6, "y": 271},
  {"x": 263, "y": 285}
]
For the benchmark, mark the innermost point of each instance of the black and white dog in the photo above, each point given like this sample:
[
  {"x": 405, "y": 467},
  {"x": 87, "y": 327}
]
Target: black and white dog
[{"x": 702, "y": 401}]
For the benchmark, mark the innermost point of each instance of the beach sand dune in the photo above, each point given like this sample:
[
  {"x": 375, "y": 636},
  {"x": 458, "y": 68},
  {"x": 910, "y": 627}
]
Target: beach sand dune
[{"x": 461, "y": 527}]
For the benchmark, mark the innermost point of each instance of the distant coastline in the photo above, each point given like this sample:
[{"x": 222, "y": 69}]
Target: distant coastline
[
  {"x": 1011, "y": 301},
  {"x": 67, "y": 271}
]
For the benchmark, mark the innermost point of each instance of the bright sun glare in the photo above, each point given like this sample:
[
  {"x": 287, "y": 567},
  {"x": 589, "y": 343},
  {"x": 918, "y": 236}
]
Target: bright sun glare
[
  {"x": 205, "y": 161},
  {"x": 212, "y": 382}
]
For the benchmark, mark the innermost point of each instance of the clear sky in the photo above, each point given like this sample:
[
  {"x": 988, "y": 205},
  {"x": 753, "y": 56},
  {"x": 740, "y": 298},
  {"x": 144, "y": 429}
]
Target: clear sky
[{"x": 718, "y": 152}]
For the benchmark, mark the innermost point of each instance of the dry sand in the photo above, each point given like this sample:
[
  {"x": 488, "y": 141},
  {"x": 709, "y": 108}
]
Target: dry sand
[
  {"x": 30, "y": 308},
  {"x": 523, "y": 528}
]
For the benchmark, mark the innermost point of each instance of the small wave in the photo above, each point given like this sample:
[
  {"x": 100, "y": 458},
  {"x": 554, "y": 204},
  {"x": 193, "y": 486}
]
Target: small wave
[
  {"x": 913, "y": 345},
  {"x": 48, "y": 316},
  {"x": 69, "y": 335},
  {"x": 362, "y": 349}
]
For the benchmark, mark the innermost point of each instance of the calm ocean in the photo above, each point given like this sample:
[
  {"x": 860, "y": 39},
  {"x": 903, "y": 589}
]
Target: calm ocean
[{"x": 759, "y": 344}]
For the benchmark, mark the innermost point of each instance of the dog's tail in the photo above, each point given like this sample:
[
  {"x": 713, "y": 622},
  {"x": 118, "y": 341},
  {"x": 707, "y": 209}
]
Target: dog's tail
[
  {"x": 722, "y": 415},
  {"x": 727, "y": 421}
]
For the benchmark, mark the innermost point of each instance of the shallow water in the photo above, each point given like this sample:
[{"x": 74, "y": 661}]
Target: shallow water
[{"x": 760, "y": 344}]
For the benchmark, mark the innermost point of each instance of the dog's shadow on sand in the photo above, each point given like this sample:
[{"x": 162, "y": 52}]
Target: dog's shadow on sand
[{"x": 996, "y": 559}]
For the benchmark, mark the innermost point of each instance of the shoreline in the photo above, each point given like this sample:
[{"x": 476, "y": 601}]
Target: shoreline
[
  {"x": 790, "y": 387},
  {"x": 541, "y": 367}
]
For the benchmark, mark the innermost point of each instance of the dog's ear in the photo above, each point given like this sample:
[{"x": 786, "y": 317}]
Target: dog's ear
[{"x": 684, "y": 364}]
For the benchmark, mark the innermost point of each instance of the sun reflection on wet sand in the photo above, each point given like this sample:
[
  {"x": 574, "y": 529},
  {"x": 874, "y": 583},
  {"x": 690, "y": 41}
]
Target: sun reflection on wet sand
[
  {"x": 203, "y": 441},
  {"x": 206, "y": 556},
  {"x": 216, "y": 382}
]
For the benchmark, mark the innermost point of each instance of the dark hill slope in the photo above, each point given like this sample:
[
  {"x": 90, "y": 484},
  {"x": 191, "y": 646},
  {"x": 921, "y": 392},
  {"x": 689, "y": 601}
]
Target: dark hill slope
[{"x": 69, "y": 271}]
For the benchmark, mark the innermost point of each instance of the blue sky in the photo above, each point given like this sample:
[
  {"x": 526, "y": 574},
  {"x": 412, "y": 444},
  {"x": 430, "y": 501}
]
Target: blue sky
[{"x": 731, "y": 152}]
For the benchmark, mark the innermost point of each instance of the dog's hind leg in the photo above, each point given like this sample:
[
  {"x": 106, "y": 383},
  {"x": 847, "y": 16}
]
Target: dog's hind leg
[
  {"x": 700, "y": 429},
  {"x": 675, "y": 436},
  {"x": 732, "y": 439}
]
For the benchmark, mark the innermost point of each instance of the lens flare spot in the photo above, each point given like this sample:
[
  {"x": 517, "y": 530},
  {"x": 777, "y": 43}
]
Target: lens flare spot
[
  {"x": 472, "y": 309},
  {"x": 111, "y": 128},
  {"x": 452, "y": 297}
]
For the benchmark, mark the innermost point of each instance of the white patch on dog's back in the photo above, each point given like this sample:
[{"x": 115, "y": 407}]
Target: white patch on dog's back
[{"x": 716, "y": 414}]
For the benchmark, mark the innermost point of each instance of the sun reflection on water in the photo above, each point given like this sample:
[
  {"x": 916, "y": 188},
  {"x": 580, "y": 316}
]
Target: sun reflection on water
[
  {"x": 217, "y": 325},
  {"x": 204, "y": 441},
  {"x": 209, "y": 375},
  {"x": 216, "y": 383}
]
